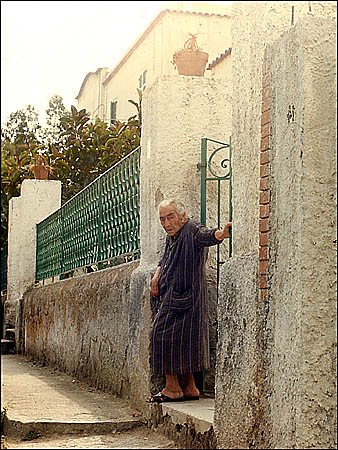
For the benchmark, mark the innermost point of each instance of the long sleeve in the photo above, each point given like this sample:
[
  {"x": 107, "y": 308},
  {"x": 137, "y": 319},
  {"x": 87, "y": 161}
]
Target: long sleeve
[{"x": 205, "y": 237}]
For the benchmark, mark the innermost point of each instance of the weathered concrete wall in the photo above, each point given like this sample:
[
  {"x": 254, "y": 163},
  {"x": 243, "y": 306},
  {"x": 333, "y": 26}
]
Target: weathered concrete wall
[
  {"x": 38, "y": 199},
  {"x": 81, "y": 325},
  {"x": 254, "y": 24},
  {"x": 302, "y": 288},
  {"x": 239, "y": 369},
  {"x": 275, "y": 395}
]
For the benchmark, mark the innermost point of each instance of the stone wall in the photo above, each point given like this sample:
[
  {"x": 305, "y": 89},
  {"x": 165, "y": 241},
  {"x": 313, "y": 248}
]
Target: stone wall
[{"x": 81, "y": 325}]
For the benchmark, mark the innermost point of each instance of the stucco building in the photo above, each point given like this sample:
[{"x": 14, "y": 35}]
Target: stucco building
[{"x": 105, "y": 92}]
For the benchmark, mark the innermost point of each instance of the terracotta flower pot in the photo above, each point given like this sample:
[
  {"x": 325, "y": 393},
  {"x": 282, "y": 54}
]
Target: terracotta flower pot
[
  {"x": 40, "y": 172},
  {"x": 191, "y": 62}
]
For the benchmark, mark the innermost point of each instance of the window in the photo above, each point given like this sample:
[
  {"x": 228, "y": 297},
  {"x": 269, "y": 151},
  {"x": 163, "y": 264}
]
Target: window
[
  {"x": 113, "y": 108},
  {"x": 142, "y": 80}
]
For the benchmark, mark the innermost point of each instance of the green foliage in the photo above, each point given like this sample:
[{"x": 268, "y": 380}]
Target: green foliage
[
  {"x": 76, "y": 150},
  {"x": 54, "y": 112},
  {"x": 22, "y": 127}
]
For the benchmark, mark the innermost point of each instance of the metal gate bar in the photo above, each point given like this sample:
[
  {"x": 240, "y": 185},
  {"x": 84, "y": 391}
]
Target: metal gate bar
[{"x": 208, "y": 174}]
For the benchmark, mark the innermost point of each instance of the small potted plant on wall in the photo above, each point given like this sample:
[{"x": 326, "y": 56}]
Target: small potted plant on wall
[
  {"x": 40, "y": 168},
  {"x": 191, "y": 60},
  {"x": 38, "y": 163}
]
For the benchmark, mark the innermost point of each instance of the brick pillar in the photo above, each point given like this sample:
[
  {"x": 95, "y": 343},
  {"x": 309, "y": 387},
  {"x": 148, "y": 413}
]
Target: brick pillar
[{"x": 264, "y": 185}]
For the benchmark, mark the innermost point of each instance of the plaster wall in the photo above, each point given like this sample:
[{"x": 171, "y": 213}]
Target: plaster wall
[
  {"x": 246, "y": 381},
  {"x": 302, "y": 295},
  {"x": 178, "y": 111},
  {"x": 38, "y": 199},
  {"x": 222, "y": 69},
  {"x": 255, "y": 24},
  {"x": 93, "y": 95},
  {"x": 240, "y": 365}
]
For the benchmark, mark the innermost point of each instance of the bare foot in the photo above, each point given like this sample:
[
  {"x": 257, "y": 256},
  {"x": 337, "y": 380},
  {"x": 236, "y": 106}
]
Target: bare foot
[{"x": 172, "y": 394}]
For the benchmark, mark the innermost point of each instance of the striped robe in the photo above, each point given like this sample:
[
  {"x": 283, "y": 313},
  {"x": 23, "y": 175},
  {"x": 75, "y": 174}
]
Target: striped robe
[{"x": 179, "y": 337}]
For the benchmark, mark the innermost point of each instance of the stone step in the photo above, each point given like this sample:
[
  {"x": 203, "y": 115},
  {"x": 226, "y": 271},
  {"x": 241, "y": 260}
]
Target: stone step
[
  {"x": 10, "y": 334},
  {"x": 189, "y": 424},
  {"x": 7, "y": 346}
]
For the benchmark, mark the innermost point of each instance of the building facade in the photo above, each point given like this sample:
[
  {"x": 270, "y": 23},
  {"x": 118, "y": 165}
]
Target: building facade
[{"x": 105, "y": 93}]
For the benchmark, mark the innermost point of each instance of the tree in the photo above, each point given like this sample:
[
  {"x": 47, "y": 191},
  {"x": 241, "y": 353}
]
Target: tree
[
  {"x": 54, "y": 112},
  {"x": 76, "y": 149},
  {"x": 22, "y": 127}
]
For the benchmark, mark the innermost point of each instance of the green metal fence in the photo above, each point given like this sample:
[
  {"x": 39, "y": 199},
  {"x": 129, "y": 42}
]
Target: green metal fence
[{"x": 97, "y": 228}]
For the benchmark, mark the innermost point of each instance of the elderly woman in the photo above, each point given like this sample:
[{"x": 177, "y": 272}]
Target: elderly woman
[{"x": 179, "y": 338}]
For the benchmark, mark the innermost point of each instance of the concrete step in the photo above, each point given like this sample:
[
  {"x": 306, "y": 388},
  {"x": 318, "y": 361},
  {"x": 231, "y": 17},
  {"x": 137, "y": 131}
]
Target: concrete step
[
  {"x": 10, "y": 334},
  {"x": 189, "y": 424},
  {"x": 7, "y": 346}
]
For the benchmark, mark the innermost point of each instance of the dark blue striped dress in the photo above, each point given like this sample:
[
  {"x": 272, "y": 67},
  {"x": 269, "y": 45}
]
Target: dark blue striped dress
[{"x": 179, "y": 337}]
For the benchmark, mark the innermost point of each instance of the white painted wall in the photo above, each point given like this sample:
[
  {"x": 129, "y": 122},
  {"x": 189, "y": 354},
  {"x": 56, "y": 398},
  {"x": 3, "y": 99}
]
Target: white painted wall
[
  {"x": 38, "y": 199},
  {"x": 171, "y": 147}
]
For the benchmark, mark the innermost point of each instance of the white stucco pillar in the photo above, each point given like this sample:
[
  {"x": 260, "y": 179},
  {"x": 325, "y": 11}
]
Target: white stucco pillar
[
  {"x": 38, "y": 199},
  {"x": 177, "y": 112}
]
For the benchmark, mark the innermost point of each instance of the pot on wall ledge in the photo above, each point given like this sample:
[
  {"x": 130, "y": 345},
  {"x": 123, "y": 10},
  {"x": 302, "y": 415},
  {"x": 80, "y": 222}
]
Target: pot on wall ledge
[
  {"x": 40, "y": 172},
  {"x": 191, "y": 60}
]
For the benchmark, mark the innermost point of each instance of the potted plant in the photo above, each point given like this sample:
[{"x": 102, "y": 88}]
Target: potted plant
[
  {"x": 191, "y": 60},
  {"x": 38, "y": 163},
  {"x": 40, "y": 168}
]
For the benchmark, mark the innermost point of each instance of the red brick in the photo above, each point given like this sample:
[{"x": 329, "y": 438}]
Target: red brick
[
  {"x": 263, "y": 281},
  {"x": 264, "y": 225},
  {"x": 266, "y": 67},
  {"x": 265, "y": 143},
  {"x": 266, "y": 98},
  {"x": 264, "y": 239},
  {"x": 266, "y": 79},
  {"x": 266, "y": 92},
  {"x": 265, "y": 117},
  {"x": 263, "y": 253},
  {"x": 263, "y": 294},
  {"x": 266, "y": 130},
  {"x": 263, "y": 267},
  {"x": 266, "y": 105},
  {"x": 264, "y": 170},
  {"x": 265, "y": 157},
  {"x": 264, "y": 184},
  {"x": 264, "y": 211},
  {"x": 264, "y": 197}
]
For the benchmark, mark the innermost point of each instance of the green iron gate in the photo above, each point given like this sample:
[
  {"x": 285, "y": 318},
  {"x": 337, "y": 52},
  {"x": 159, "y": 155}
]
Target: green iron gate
[{"x": 215, "y": 167}]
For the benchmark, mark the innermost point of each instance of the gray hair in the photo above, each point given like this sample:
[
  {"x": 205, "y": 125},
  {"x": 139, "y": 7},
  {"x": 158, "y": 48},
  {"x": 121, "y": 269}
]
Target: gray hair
[{"x": 179, "y": 207}]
